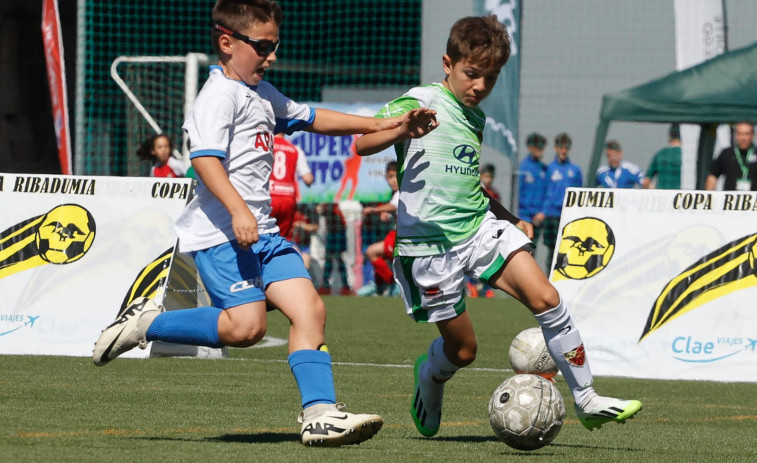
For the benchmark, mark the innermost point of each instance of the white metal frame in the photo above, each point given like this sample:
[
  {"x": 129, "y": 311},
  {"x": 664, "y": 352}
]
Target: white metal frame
[{"x": 192, "y": 63}]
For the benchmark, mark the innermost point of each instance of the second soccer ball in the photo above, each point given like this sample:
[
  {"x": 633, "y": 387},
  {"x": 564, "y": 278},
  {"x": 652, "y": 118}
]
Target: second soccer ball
[{"x": 528, "y": 354}]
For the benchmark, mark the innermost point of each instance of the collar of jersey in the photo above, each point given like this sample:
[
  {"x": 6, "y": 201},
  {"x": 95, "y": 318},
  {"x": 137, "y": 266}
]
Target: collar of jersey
[
  {"x": 447, "y": 91},
  {"x": 214, "y": 67},
  {"x": 477, "y": 111}
]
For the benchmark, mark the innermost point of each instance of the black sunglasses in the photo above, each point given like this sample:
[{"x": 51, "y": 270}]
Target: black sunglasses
[{"x": 262, "y": 47}]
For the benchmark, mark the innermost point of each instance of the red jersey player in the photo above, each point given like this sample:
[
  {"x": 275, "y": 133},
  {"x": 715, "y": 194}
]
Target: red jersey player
[{"x": 288, "y": 163}]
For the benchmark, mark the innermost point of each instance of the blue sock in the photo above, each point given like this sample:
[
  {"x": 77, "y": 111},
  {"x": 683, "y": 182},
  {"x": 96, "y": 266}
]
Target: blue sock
[
  {"x": 197, "y": 327},
  {"x": 312, "y": 371}
]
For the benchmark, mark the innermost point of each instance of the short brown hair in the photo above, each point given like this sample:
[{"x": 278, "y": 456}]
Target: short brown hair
[
  {"x": 563, "y": 139},
  {"x": 480, "y": 38},
  {"x": 239, "y": 15}
]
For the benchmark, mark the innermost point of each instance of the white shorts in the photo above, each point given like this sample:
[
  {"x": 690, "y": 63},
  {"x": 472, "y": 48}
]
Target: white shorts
[{"x": 433, "y": 287}]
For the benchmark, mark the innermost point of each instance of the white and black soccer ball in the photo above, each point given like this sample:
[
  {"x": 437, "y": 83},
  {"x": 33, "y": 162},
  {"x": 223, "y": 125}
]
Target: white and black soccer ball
[
  {"x": 528, "y": 354},
  {"x": 526, "y": 412}
]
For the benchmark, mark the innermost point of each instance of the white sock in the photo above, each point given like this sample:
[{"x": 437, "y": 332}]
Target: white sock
[
  {"x": 439, "y": 365},
  {"x": 435, "y": 372},
  {"x": 317, "y": 410},
  {"x": 567, "y": 349}
]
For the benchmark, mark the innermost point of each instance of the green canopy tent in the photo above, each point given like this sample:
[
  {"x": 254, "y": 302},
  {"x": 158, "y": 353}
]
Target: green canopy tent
[{"x": 721, "y": 90}]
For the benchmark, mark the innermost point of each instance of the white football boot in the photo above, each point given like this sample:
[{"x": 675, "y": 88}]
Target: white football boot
[
  {"x": 127, "y": 332},
  {"x": 328, "y": 425},
  {"x": 598, "y": 410}
]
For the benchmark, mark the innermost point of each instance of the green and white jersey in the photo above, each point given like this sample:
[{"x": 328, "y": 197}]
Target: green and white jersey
[{"x": 440, "y": 201}]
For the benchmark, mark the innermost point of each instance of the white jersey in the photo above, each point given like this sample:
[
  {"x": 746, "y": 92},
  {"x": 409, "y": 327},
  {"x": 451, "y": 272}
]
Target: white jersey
[
  {"x": 235, "y": 123},
  {"x": 395, "y": 201}
]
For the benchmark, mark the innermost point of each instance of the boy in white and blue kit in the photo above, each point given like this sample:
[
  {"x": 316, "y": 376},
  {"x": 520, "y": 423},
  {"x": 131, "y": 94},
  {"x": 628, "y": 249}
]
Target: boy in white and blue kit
[
  {"x": 244, "y": 263},
  {"x": 446, "y": 230}
]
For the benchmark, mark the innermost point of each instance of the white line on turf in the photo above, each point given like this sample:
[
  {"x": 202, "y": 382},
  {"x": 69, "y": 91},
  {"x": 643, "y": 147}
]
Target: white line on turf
[{"x": 375, "y": 365}]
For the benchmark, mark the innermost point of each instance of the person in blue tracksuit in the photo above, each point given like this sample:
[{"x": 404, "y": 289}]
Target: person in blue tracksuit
[
  {"x": 618, "y": 173},
  {"x": 532, "y": 182},
  {"x": 561, "y": 175}
]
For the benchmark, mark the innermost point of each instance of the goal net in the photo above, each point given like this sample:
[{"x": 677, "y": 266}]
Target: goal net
[
  {"x": 160, "y": 90},
  {"x": 326, "y": 44}
]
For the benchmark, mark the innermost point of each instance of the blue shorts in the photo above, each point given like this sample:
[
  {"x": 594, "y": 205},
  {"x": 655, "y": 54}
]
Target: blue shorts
[{"x": 234, "y": 276}]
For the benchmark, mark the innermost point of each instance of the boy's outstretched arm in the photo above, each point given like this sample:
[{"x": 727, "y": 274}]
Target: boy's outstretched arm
[
  {"x": 414, "y": 124},
  {"x": 335, "y": 123},
  {"x": 502, "y": 213}
]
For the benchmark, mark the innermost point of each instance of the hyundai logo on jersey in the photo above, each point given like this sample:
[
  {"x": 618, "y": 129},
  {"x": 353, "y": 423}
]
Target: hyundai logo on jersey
[{"x": 464, "y": 153}]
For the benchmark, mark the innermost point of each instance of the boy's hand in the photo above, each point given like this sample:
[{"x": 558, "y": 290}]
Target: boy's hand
[
  {"x": 413, "y": 124},
  {"x": 538, "y": 219},
  {"x": 419, "y": 122},
  {"x": 526, "y": 228},
  {"x": 245, "y": 229}
]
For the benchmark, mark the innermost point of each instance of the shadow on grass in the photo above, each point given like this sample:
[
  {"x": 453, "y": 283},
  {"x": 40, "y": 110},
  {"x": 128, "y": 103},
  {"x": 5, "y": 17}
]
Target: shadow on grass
[
  {"x": 543, "y": 451},
  {"x": 468, "y": 439},
  {"x": 258, "y": 438},
  {"x": 597, "y": 447}
]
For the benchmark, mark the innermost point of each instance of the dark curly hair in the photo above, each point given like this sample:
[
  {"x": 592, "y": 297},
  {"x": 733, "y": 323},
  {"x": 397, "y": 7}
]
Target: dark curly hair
[{"x": 145, "y": 149}]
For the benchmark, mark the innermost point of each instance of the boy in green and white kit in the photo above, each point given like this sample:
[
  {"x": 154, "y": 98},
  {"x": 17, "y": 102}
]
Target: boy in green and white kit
[{"x": 446, "y": 230}]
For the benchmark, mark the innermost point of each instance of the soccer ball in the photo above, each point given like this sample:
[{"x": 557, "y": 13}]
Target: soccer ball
[
  {"x": 528, "y": 354},
  {"x": 526, "y": 412}
]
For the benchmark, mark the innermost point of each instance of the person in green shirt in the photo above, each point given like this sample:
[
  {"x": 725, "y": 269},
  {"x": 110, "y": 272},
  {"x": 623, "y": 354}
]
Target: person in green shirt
[
  {"x": 447, "y": 229},
  {"x": 665, "y": 168}
]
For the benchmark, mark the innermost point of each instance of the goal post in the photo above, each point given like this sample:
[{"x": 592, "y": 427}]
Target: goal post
[{"x": 160, "y": 99}]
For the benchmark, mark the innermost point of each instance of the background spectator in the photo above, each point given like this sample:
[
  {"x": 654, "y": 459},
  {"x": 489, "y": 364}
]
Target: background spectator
[
  {"x": 288, "y": 163},
  {"x": 561, "y": 175},
  {"x": 666, "y": 164},
  {"x": 336, "y": 244},
  {"x": 304, "y": 225},
  {"x": 738, "y": 164},
  {"x": 157, "y": 149},
  {"x": 379, "y": 252},
  {"x": 532, "y": 182},
  {"x": 618, "y": 173},
  {"x": 488, "y": 172}
]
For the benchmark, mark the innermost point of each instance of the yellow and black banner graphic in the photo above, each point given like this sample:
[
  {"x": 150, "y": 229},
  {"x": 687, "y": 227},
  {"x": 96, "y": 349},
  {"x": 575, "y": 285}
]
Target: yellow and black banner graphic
[
  {"x": 61, "y": 236},
  {"x": 586, "y": 248},
  {"x": 184, "y": 273},
  {"x": 725, "y": 270},
  {"x": 149, "y": 280}
]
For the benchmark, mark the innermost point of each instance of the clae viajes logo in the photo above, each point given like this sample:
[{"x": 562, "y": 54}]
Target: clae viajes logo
[
  {"x": 10, "y": 323},
  {"x": 695, "y": 349}
]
